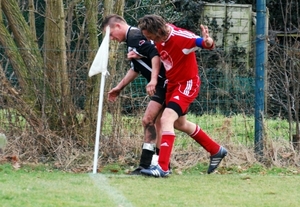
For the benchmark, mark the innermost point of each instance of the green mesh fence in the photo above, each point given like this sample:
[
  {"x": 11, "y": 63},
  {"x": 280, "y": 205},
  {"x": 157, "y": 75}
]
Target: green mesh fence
[
  {"x": 218, "y": 94},
  {"x": 138, "y": 87},
  {"x": 136, "y": 98}
]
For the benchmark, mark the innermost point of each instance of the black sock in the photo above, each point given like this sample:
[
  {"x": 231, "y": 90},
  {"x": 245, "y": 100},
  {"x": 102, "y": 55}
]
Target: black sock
[
  {"x": 157, "y": 151},
  {"x": 146, "y": 158}
]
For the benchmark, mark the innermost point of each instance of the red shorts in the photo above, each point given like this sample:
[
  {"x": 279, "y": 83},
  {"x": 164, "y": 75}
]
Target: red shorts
[{"x": 183, "y": 93}]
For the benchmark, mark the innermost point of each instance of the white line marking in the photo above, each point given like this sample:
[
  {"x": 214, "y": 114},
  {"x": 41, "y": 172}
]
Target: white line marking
[{"x": 102, "y": 183}]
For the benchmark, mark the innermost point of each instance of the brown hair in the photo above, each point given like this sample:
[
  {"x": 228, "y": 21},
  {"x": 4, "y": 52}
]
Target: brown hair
[
  {"x": 111, "y": 19},
  {"x": 153, "y": 24}
]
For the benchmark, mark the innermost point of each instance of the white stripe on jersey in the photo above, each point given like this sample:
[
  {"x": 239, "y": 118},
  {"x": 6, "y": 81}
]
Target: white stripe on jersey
[
  {"x": 188, "y": 87},
  {"x": 140, "y": 61},
  {"x": 145, "y": 66},
  {"x": 188, "y": 51},
  {"x": 183, "y": 33}
]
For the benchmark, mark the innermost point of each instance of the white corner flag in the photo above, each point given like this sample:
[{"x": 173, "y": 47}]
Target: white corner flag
[
  {"x": 101, "y": 59},
  {"x": 99, "y": 65}
]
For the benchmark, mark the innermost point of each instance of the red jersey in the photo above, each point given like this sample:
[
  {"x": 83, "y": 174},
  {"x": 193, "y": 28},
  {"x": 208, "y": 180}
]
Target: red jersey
[{"x": 178, "y": 55}]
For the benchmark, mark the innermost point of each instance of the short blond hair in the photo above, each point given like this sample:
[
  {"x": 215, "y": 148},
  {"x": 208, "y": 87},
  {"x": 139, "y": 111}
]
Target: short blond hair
[{"x": 111, "y": 19}]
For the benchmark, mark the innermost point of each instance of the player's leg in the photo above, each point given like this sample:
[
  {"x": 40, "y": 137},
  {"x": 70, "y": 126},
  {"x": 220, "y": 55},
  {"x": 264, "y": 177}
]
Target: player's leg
[
  {"x": 216, "y": 151},
  {"x": 149, "y": 122},
  {"x": 178, "y": 99},
  {"x": 149, "y": 145},
  {"x": 197, "y": 134},
  {"x": 168, "y": 137},
  {"x": 174, "y": 116},
  {"x": 160, "y": 96},
  {"x": 166, "y": 146},
  {"x": 158, "y": 138}
]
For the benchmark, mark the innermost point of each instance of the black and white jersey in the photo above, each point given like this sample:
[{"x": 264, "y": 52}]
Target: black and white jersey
[{"x": 137, "y": 42}]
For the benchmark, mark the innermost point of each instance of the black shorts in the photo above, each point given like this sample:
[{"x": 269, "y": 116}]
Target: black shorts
[{"x": 160, "y": 94}]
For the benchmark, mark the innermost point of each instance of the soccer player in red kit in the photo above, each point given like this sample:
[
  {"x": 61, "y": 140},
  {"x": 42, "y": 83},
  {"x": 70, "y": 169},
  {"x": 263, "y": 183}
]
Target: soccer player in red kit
[{"x": 177, "y": 52}]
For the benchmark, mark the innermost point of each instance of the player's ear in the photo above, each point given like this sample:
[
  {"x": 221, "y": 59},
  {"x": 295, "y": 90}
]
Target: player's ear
[{"x": 118, "y": 25}]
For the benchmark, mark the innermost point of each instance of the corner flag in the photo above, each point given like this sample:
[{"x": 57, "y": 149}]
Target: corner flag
[
  {"x": 100, "y": 62},
  {"x": 99, "y": 65}
]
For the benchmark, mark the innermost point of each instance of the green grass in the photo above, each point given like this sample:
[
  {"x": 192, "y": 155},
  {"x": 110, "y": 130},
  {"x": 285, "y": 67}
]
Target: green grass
[
  {"x": 42, "y": 188},
  {"x": 255, "y": 186}
]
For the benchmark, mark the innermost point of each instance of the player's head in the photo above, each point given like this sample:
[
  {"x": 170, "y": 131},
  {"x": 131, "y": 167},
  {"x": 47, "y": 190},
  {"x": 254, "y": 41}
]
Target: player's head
[
  {"x": 153, "y": 27},
  {"x": 118, "y": 27}
]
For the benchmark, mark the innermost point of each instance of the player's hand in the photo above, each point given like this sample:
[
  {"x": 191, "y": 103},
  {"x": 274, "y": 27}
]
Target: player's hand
[
  {"x": 113, "y": 94},
  {"x": 133, "y": 55},
  {"x": 150, "y": 87},
  {"x": 206, "y": 38}
]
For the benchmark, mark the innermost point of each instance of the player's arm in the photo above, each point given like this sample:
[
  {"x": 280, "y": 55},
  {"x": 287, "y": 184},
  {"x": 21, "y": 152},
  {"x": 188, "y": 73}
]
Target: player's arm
[
  {"x": 149, "y": 50},
  {"x": 115, "y": 92},
  {"x": 156, "y": 63},
  {"x": 133, "y": 55},
  {"x": 205, "y": 41}
]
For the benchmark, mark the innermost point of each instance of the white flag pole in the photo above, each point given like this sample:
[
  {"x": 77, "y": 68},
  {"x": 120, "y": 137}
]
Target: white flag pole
[
  {"x": 99, "y": 123},
  {"x": 99, "y": 65}
]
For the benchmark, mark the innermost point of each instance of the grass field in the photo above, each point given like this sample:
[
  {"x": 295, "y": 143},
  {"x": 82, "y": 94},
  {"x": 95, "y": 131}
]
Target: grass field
[
  {"x": 234, "y": 185},
  {"x": 41, "y": 187}
]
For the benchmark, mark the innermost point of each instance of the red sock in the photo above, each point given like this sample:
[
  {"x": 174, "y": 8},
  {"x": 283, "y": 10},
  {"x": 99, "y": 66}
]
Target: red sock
[
  {"x": 166, "y": 146},
  {"x": 205, "y": 141}
]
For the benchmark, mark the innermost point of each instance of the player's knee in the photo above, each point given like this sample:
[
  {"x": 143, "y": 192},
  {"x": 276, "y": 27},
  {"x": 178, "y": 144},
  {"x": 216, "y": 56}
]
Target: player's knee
[
  {"x": 147, "y": 121},
  {"x": 179, "y": 126}
]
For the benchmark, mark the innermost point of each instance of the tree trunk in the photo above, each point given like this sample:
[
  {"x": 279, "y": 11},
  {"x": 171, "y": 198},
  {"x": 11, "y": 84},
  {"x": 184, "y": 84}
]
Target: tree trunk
[
  {"x": 27, "y": 46},
  {"x": 26, "y": 60},
  {"x": 32, "y": 18},
  {"x": 55, "y": 60},
  {"x": 93, "y": 83},
  {"x": 43, "y": 95}
]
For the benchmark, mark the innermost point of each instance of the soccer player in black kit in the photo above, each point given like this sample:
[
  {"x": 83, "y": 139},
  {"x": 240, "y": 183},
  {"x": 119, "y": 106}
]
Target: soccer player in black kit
[{"x": 148, "y": 60}]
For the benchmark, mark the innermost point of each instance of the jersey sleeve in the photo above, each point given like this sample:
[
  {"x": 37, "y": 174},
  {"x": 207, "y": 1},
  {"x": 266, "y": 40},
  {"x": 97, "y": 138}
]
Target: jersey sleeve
[
  {"x": 185, "y": 39},
  {"x": 133, "y": 68},
  {"x": 141, "y": 45}
]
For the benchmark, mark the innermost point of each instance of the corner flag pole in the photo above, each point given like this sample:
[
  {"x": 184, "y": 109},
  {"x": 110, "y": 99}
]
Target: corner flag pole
[
  {"x": 97, "y": 139},
  {"x": 99, "y": 65}
]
